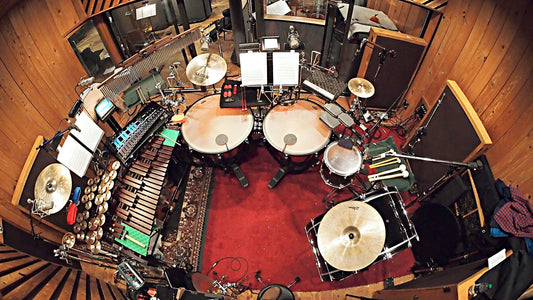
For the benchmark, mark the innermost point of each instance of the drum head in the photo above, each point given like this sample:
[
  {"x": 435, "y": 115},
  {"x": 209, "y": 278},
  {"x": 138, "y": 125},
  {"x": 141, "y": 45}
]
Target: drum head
[
  {"x": 210, "y": 129},
  {"x": 299, "y": 124},
  {"x": 342, "y": 161}
]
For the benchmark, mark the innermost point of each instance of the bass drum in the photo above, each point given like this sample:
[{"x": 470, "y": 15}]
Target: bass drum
[
  {"x": 209, "y": 129},
  {"x": 339, "y": 165},
  {"x": 296, "y": 129}
]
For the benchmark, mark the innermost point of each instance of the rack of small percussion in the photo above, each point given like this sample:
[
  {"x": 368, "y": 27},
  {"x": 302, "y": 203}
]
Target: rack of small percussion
[
  {"x": 94, "y": 203},
  {"x": 118, "y": 205}
]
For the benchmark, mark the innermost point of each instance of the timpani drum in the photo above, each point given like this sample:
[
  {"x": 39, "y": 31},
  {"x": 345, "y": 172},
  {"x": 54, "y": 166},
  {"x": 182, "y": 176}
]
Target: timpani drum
[
  {"x": 296, "y": 129},
  {"x": 341, "y": 164},
  {"x": 209, "y": 129}
]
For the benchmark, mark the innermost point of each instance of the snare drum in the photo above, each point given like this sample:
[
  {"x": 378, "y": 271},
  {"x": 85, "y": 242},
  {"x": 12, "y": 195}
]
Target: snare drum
[
  {"x": 400, "y": 232},
  {"x": 209, "y": 129},
  {"x": 296, "y": 129},
  {"x": 341, "y": 165}
]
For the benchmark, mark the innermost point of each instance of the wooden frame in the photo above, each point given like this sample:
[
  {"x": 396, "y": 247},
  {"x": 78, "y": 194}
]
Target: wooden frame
[
  {"x": 23, "y": 177},
  {"x": 485, "y": 140}
]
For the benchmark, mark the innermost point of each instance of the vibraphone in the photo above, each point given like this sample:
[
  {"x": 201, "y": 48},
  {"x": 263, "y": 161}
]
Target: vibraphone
[{"x": 137, "y": 198}]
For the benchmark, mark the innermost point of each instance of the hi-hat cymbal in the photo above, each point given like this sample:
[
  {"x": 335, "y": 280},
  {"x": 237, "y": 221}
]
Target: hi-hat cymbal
[
  {"x": 351, "y": 235},
  {"x": 361, "y": 87},
  {"x": 206, "y": 69},
  {"x": 53, "y": 185}
]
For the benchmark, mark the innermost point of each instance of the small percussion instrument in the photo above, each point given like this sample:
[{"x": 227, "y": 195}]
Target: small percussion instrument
[{"x": 341, "y": 165}]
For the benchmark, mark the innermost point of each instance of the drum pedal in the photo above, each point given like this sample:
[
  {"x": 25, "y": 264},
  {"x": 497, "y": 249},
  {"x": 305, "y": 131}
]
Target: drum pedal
[
  {"x": 275, "y": 180},
  {"x": 240, "y": 176}
]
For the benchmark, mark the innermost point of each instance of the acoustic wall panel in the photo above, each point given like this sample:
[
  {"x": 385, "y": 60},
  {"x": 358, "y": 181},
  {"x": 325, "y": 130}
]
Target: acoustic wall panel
[
  {"x": 452, "y": 132},
  {"x": 391, "y": 69}
]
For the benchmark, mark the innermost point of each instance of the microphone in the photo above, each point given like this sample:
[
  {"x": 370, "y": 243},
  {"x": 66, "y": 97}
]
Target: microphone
[
  {"x": 393, "y": 53},
  {"x": 73, "y": 126},
  {"x": 206, "y": 43},
  {"x": 86, "y": 81},
  {"x": 363, "y": 43}
]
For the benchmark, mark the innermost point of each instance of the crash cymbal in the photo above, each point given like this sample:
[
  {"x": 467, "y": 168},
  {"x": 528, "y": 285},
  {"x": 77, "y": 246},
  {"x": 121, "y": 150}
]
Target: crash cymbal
[
  {"x": 206, "y": 69},
  {"x": 69, "y": 239},
  {"x": 351, "y": 235},
  {"x": 53, "y": 185},
  {"x": 361, "y": 87}
]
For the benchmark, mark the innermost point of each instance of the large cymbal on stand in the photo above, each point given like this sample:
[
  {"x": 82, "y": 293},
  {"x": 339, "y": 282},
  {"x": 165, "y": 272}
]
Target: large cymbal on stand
[
  {"x": 206, "y": 69},
  {"x": 53, "y": 185},
  {"x": 361, "y": 87},
  {"x": 351, "y": 235}
]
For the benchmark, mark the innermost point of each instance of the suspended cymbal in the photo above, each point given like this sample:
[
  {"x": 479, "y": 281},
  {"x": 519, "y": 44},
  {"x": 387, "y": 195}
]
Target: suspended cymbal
[
  {"x": 206, "y": 69},
  {"x": 361, "y": 87},
  {"x": 351, "y": 235},
  {"x": 53, "y": 185}
]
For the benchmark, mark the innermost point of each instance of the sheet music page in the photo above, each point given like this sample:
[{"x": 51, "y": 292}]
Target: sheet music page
[
  {"x": 91, "y": 134},
  {"x": 285, "y": 68},
  {"x": 74, "y": 156},
  {"x": 253, "y": 68}
]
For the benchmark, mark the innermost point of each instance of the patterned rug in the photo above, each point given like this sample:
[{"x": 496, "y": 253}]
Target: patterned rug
[{"x": 184, "y": 246}]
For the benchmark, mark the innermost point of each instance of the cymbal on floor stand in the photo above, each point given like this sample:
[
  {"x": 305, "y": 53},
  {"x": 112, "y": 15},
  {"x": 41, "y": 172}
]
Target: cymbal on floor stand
[
  {"x": 361, "y": 87},
  {"x": 206, "y": 69},
  {"x": 351, "y": 235}
]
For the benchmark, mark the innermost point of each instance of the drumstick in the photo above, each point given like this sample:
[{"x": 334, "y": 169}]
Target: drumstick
[
  {"x": 171, "y": 139},
  {"x": 404, "y": 174},
  {"x": 400, "y": 168},
  {"x": 386, "y": 162}
]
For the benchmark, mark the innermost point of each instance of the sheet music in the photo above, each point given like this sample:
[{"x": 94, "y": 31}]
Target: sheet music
[
  {"x": 285, "y": 68},
  {"x": 279, "y": 8},
  {"x": 146, "y": 11},
  {"x": 91, "y": 134},
  {"x": 74, "y": 156},
  {"x": 253, "y": 68}
]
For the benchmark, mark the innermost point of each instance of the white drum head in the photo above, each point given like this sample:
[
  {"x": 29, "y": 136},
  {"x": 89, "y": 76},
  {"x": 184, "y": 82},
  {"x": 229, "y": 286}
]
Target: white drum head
[
  {"x": 296, "y": 128},
  {"x": 209, "y": 129},
  {"x": 342, "y": 161}
]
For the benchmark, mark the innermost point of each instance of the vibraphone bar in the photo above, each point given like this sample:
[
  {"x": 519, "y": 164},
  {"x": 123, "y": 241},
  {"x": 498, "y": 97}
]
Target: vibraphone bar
[{"x": 142, "y": 183}]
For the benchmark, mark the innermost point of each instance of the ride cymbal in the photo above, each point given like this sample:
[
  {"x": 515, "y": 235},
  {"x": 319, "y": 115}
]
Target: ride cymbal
[
  {"x": 206, "y": 69},
  {"x": 53, "y": 185},
  {"x": 361, "y": 87},
  {"x": 351, "y": 235}
]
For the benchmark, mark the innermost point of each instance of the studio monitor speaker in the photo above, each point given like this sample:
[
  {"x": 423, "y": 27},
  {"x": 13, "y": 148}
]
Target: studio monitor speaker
[{"x": 390, "y": 61}]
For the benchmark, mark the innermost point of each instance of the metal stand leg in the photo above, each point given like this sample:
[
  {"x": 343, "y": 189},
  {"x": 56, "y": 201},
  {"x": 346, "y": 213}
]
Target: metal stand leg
[{"x": 330, "y": 202}]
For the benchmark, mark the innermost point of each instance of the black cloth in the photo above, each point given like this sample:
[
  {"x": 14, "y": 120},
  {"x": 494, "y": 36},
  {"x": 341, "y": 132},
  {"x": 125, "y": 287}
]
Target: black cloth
[{"x": 510, "y": 278}]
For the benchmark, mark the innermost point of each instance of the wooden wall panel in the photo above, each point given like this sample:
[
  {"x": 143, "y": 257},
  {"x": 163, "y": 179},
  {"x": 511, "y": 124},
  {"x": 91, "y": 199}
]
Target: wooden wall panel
[
  {"x": 486, "y": 47},
  {"x": 38, "y": 72}
]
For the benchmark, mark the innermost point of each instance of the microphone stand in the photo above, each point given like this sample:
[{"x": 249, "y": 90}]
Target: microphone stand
[{"x": 470, "y": 165}]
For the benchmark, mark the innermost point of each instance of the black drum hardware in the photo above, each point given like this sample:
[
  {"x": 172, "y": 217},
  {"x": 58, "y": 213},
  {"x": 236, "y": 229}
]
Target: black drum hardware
[{"x": 127, "y": 142}]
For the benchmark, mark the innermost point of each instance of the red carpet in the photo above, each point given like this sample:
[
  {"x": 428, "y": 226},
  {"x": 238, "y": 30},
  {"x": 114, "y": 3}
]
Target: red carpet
[{"x": 265, "y": 228}]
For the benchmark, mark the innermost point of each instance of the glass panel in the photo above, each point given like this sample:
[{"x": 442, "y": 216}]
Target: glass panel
[
  {"x": 314, "y": 9},
  {"x": 139, "y": 24},
  {"x": 91, "y": 52}
]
